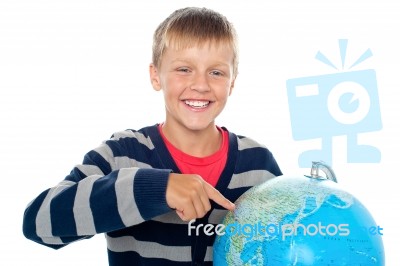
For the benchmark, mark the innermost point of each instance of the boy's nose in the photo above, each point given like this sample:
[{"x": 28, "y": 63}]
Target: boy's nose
[{"x": 200, "y": 83}]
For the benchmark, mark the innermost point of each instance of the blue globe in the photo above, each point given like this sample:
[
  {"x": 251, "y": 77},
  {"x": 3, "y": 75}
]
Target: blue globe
[{"x": 306, "y": 220}]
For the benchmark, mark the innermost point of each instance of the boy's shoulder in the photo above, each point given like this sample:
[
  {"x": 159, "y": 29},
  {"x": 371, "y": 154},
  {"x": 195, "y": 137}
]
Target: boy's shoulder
[
  {"x": 143, "y": 135},
  {"x": 255, "y": 155},
  {"x": 127, "y": 133},
  {"x": 245, "y": 142}
]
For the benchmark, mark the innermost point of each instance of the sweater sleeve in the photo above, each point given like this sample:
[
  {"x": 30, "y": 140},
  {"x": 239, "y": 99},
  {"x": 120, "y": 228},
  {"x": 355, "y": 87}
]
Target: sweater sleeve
[{"x": 96, "y": 197}]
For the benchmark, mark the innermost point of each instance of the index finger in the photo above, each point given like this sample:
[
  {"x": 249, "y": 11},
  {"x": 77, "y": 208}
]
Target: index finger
[{"x": 217, "y": 197}]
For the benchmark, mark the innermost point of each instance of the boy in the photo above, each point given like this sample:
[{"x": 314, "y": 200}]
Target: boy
[{"x": 142, "y": 187}]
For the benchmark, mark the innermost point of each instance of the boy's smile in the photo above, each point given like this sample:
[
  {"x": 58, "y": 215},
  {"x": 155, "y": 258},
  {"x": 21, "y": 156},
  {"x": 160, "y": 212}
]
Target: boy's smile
[
  {"x": 196, "y": 83},
  {"x": 197, "y": 104}
]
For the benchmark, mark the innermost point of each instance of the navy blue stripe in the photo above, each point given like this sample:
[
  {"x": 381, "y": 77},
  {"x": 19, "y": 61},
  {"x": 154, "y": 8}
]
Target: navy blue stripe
[
  {"x": 103, "y": 203},
  {"x": 157, "y": 232},
  {"x": 149, "y": 191},
  {"x": 231, "y": 162},
  {"x": 265, "y": 161},
  {"x": 29, "y": 223},
  {"x": 94, "y": 158},
  {"x": 61, "y": 213},
  {"x": 234, "y": 194},
  {"x": 116, "y": 145},
  {"x": 76, "y": 175},
  {"x": 201, "y": 241},
  {"x": 70, "y": 239},
  {"x": 160, "y": 158},
  {"x": 131, "y": 148}
]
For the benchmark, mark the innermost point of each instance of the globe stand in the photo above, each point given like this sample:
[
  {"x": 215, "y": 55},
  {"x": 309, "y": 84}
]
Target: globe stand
[{"x": 325, "y": 168}]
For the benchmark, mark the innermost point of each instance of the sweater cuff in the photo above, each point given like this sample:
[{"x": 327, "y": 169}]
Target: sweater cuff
[{"x": 150, "y": 186}]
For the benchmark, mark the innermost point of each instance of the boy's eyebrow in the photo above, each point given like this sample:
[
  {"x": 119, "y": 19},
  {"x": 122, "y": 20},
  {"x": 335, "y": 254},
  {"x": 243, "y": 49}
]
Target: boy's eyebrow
[{"x": 178, "y": 60}]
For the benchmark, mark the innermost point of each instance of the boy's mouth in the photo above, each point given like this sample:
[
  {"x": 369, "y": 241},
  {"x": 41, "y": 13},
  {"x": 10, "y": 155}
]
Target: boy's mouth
[{"x": 197, "y": 104}]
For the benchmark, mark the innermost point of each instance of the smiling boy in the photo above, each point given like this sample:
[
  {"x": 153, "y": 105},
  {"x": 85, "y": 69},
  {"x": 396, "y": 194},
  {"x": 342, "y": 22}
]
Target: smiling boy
[{"x": 141, "y": 187}]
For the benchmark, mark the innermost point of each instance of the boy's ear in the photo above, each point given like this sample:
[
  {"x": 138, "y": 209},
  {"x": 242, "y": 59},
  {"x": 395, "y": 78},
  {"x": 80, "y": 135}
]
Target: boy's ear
[
  {"x": 154, "y": 77},
  {"x": 232, "y": 86}
]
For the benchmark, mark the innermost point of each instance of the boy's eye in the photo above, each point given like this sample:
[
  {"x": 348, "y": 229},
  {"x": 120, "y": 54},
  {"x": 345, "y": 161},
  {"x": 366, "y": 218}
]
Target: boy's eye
[
  {"x": 184, "y": 69},
  {"x": 216, "y": 73}
]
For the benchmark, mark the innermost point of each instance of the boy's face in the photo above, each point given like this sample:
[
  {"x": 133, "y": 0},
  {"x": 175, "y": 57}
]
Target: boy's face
[{"x": 196, "y": 83}]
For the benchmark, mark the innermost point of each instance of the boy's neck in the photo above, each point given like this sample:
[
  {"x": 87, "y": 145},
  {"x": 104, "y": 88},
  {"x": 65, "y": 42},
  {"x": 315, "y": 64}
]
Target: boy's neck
[{"x": 199, "y": 143}]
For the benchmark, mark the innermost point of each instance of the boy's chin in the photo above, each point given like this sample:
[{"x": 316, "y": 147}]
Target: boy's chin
[{"x": 198, "y": 126}]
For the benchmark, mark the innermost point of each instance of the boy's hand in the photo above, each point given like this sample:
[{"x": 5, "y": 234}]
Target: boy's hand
[{"x": 190, "y": 196}]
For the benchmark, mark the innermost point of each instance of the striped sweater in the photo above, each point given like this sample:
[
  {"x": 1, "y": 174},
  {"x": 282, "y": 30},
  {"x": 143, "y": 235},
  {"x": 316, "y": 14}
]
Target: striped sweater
[{"x": 119, "y": 190}]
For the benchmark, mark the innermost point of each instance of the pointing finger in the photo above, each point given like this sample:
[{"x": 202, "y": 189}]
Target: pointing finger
[{"x": 217, "y": 197}]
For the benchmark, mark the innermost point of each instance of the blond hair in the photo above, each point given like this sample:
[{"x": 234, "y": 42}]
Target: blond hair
[{"x": 193, "y": 26}]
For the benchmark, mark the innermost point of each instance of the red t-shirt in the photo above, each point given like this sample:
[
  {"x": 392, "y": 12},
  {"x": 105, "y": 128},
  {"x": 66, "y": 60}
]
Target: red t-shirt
[{"x": 209, "y": 167}]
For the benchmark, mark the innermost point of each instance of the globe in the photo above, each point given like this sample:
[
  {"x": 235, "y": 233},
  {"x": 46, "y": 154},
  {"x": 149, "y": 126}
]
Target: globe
[{"x": 304, "y": 220}]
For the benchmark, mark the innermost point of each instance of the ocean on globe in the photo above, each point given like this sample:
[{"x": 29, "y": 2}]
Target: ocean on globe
[{"x": 305, "y": 220}]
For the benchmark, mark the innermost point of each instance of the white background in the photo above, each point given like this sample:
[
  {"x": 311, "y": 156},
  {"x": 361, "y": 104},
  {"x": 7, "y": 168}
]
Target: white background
[{"x": 73, "y": 72}]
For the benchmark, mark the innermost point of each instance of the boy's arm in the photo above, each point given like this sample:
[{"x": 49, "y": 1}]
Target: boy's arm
[{"x": 95, "y": 198}]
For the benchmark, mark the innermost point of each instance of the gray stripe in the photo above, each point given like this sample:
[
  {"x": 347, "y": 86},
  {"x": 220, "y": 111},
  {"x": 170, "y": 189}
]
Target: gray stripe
[
  {"x": 126, "y": 202},
  {"x": 89, "y": 170},
  {"x": 43, "y": 218},
  {"x": 126, "y": 162},
  {"x": 139, "y": 136},
  {"x": 148, "y": 249},
  {"x": 217, "y": 216},
  {"x": 209, "y": 254},
  {"x": 247, "y": 143},
  {"x": 170, "y": 217},
  {"x": 106, "y": 152},
  {"x": 82, "y": 211},
  {"x": 250, "y": 178}
]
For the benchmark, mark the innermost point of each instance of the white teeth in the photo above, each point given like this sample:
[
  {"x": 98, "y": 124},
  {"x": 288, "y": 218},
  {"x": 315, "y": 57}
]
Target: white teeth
[{"x": 197, "y": 104}]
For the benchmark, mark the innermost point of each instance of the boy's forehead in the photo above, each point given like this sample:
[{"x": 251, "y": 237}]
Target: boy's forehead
[{"x": 207, "y": 48}]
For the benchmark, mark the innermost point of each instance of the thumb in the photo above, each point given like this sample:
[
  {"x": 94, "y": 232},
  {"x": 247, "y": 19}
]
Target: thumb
[{"x": 217, "y": 197}]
